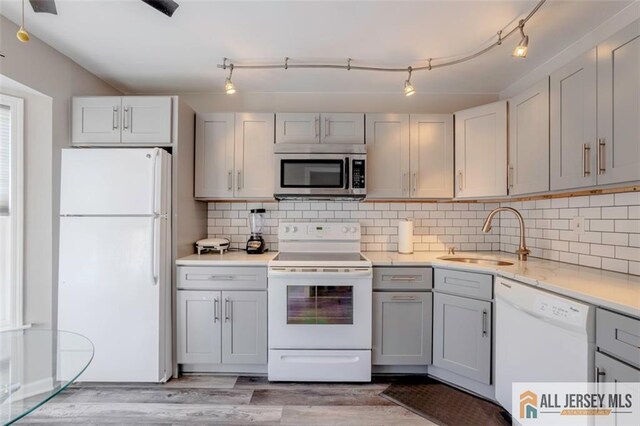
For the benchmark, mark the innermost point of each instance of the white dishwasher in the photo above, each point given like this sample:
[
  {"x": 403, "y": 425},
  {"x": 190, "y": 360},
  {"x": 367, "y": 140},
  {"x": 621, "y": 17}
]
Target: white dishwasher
[{"x": 540, "y": 337}]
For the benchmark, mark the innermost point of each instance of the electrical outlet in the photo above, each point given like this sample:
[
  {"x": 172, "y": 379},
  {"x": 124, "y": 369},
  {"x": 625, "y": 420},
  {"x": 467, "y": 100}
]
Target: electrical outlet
[{"x": 577, "y": 225}]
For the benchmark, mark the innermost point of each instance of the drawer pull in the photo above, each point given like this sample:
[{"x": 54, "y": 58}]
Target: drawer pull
[
  {"x": 221, "y": 277},
  {"x": 628, "y": 338},
  {"x": 403, "y": 278},
  {"x": 403, "y": 298}
]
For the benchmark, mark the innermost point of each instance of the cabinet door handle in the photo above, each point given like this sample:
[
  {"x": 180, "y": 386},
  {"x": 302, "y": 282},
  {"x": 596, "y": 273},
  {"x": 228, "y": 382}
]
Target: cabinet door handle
[
  {"x": 510, "y": 177},
  {"x": 415, "y": 183},
  {"x": 459, "y": 180},
  {"x": 403, "y": 298},
  {"x": 405, "y": 179},
  {"x": 484, "y": 322},
  {"x": 229, "y": 180},
  {"x": 115, "y": 117},
  {"x": 216, "y": 317},
  {"x": 227, "y": 310},
  {"x": 316, "y": 126},
  {"x": 602, "y": 168},
  {"x": 326, "y": 127},
  {"x": 599, "y": 373},
  {"x": 125, "y": 118},
  {"x": 238, "y": 180},
  {"x": 586, "y": 156}
]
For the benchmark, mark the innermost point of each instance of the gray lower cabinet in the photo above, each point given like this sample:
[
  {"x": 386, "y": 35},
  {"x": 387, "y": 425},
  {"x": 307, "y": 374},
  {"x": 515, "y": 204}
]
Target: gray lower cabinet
[
  {"x": 199, "y": 327},
  {"x": 401, "y": 328},
  {"x": 462, "y": 336},
  {"x": 228, "y": 327},
  {"x": 619, "y": 378},
  {"x": 244, "y": 330}
]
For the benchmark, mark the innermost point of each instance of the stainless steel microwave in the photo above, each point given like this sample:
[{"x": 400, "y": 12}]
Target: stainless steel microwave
[{"x": 320, "y": 175}]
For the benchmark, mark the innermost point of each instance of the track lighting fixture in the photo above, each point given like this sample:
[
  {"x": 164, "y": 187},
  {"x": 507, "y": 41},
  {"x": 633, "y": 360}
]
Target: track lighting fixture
[
  {"x": 22, "y": 34},
  {"x": 521, "y": 49},
  {"x": 520, "y": 52},
  {"x": 408, "y": 87},
  {"x": 229, "y": 87}
]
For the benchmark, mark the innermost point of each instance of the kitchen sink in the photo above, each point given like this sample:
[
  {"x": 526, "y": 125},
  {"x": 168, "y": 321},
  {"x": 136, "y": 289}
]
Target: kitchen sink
[{"x": 477, "y": 260}]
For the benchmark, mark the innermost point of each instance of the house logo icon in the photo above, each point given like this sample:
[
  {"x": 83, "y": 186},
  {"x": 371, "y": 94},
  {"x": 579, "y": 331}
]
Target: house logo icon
[{"x": 528, "y": 405}]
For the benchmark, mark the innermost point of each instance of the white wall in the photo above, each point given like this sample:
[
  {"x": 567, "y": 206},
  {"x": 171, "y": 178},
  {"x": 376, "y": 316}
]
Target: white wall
[
  {"x": 603, "y": 31},
  {"x": 43, "y": 69},
  {"x": 334, "y": 102}
]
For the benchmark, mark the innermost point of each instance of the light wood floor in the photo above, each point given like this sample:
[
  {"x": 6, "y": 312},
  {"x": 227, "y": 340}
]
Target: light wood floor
[{"x": 228, "y": 400}]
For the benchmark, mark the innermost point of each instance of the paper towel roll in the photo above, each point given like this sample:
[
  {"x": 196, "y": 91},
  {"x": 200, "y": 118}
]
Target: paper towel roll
[{"x": 405, "y": 236}]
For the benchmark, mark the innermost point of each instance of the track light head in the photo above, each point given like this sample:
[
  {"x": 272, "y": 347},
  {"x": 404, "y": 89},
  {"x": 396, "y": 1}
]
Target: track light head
[
  {"x": 408, "y": 87},
  {"x": 521, "y": 49},
  {"x": 229, "y": 87}
]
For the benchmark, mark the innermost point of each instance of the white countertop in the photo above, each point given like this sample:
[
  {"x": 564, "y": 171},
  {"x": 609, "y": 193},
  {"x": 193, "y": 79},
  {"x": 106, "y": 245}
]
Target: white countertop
[
  {"x": 619, "y": 292},
  {"x": 230, "y": 258}
]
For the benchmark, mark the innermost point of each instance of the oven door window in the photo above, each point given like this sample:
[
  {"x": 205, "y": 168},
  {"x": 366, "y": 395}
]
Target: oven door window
[
  {"x": 319, "y": 304},
  {"x": 312, "y": 173}
]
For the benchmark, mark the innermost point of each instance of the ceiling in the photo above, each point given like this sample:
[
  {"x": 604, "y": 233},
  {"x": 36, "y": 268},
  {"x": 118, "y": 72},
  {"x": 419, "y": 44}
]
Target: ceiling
[{"x": 139, "y": 50}]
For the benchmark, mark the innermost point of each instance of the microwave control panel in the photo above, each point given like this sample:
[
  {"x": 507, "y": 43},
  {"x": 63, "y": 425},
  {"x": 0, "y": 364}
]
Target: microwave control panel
[{"x": 358, "y": 174}]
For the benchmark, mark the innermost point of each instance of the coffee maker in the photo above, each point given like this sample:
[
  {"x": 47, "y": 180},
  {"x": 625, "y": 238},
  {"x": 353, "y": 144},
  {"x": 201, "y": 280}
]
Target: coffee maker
[{"x": 256, "y": 244}]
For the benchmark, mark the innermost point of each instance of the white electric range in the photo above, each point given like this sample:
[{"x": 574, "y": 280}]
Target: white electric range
[{"x": 320, "y": 290}]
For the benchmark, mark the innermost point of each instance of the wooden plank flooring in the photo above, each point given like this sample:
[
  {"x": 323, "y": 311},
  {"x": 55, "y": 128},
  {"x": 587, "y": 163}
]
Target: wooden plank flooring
[{"x": 228, "y": 400}]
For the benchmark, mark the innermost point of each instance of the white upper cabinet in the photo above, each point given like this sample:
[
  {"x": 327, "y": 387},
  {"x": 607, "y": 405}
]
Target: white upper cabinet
[
  {"x": 254, "y": 155},
  {"x": 96, "y": 120},
  {"x": 619, "y": 107},
  {"x": 215, "y": 135},
  {"x": 431, "y": 156},
  {"x": 573, "y": 123},
  {"x": 135, "y": 120},
  {"x": 388, "y": 155},
  {"x": 481, "y": 151},
  {"x": 342, "y": 128},
  {"x": 146, "y": 119},
  {"x": 410, "y": 156},
  {"x": 529, "y": 140},
  {"x": 297, "y": 127},
  {"x": 234, "y": 155}
]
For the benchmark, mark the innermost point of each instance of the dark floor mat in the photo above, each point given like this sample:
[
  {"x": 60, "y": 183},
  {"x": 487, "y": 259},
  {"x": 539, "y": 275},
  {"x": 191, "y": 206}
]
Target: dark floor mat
[{"x": 445, "y": 405}]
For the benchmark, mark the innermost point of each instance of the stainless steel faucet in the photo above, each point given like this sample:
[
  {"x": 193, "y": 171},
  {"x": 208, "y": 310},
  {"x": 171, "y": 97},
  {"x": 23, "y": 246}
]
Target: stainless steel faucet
[{"x": 523, "y": 251}]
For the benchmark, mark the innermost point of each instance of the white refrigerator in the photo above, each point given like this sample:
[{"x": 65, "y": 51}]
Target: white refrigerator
[{"x": 115, "y": 260}]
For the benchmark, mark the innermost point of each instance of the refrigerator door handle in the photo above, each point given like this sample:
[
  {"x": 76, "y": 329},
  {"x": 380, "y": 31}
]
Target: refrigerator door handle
[
  {"x": 155, "y": 186},
  {"x": 155, "y": 247}
]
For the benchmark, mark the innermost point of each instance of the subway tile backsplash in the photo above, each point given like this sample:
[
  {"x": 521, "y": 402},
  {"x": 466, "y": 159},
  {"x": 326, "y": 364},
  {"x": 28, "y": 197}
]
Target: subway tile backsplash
[
  {"x": 611, "y": 237},
  {"x": 437, "y": 226}
]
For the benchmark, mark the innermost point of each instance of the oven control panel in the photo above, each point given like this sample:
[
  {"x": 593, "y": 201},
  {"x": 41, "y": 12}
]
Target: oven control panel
[
  {"x": 319, "y": 231},
  {"x": 358, "y": 174}
]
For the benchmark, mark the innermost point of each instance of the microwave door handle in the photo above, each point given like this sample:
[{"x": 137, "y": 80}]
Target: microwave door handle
[{"x": 346, "y": 173}]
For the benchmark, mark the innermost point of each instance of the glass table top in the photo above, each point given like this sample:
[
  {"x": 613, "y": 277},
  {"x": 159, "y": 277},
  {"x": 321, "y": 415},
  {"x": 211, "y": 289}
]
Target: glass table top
[{"x": 36, "y": 365}]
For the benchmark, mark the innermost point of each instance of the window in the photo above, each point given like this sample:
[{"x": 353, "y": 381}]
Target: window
[{"x": 11, "y": 188}]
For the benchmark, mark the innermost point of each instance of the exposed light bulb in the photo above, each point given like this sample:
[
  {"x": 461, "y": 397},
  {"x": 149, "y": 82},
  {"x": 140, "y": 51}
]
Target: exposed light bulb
[
  {"x": 22, "y": 34},
  {"x": 408, "y": 88},
  {"x": 521, "y": 49},
  {"x": 229, "y": 87}
]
